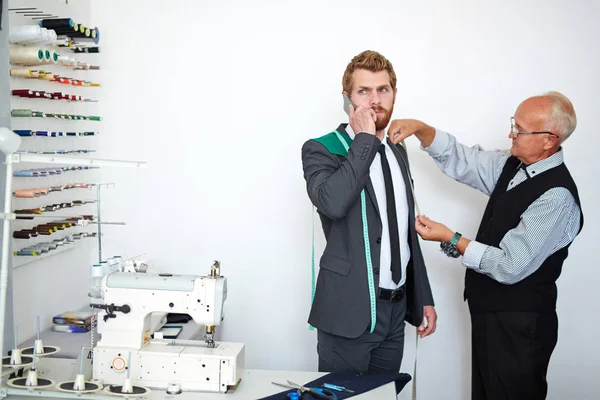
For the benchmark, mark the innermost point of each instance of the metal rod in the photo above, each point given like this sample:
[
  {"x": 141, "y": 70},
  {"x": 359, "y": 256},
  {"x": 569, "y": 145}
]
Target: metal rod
[
  {"x": 81, "y": 362},
  {"x": 59, "y": 217},
  {"x": 99, "y": 225},
  {"x": 37, "y": 326},
  {"x": 33, "y": 359},
  {"x": 5, "y": 250},
  {"x": 52, "y": 159}
]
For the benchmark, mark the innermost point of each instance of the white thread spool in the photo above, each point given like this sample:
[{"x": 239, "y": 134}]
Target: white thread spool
[
  {"x": 22, "y": 73},
  {"x": 39, "y": 40},
  {"x": 119, "y": 261},
  {"x": 27, "y": 56},
  {"x": 50, "y": 57},
  {"x": 24, "y": 33},
  {"x": 54, "y": 57},
  {"x": 97, "y": 271}
]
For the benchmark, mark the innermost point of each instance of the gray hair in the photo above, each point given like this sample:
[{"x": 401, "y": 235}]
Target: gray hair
[{"x": 562, "y": 114}]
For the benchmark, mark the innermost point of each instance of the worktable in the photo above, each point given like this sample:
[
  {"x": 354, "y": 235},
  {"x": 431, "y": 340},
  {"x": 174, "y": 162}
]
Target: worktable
[{"x": 255, "y": 384}]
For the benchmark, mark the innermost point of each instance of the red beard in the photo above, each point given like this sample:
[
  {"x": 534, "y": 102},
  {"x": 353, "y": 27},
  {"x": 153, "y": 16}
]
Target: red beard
[{"x": 383, "y": 119}]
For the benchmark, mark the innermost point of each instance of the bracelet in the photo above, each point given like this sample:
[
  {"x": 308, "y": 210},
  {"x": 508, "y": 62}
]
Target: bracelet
[{"x": 449, "y": 248}]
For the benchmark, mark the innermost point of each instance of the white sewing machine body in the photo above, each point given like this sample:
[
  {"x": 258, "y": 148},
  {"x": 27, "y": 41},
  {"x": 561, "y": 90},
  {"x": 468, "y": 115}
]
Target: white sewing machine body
[{"x": 126, "y": 347}]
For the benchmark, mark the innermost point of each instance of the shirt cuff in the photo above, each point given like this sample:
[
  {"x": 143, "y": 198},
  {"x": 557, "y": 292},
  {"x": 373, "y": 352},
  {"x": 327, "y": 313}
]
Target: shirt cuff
[
  {"x": 439, "y": 144},
  {"x": 474, "y": 254}
]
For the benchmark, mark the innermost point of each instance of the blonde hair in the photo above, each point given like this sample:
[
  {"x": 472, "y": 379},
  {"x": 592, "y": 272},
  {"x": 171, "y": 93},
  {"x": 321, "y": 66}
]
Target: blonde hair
[{"x": 371, "y": 61}]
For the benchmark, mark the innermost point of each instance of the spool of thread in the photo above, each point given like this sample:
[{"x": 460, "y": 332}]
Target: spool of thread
[
  {"x": 22, "y": 234},
  {"x": 51, "y": 57},
  {"x": 81, "y": 37},
  {"x": 97, "y": 271},
  {"x": 58, "y": 23},
  {"x": 24, "y": 33},
  {"x": 22, "y": 73},
  {"x": 86, "y": 49},
  {"x": 54, "y": 57},
  {"x": 23, "y": 93},
  {"x": 46, "y": 36},
  {"x": 29, "y": 211},
  {"x": 19, "y": 112},
  {"x": 27, "y": 56},
  {"x": 66, "y": 30}
]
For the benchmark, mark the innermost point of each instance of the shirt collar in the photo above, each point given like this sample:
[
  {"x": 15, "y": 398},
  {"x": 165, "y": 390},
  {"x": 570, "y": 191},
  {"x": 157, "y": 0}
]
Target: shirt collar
[
  {"x": 350, "y": 132},
  {"x": 352, "y": 135},
  {"x": 547, "y": 163}
]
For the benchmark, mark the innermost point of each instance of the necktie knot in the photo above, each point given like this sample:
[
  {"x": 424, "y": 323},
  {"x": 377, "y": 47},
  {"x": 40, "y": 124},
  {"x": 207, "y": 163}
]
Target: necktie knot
[{"x": 381, "y": 149}]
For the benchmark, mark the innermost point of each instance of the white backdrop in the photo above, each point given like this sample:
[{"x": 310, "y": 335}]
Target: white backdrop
[{"x": 219, "y": 97}]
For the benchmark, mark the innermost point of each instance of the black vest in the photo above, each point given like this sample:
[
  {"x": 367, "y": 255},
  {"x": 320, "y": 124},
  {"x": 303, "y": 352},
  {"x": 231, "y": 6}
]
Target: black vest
[{"x": 538, "y": 291}]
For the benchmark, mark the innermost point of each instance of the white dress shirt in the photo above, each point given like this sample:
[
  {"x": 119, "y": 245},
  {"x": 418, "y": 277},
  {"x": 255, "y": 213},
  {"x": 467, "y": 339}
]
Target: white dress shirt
[{"x": 376, "y": 175}]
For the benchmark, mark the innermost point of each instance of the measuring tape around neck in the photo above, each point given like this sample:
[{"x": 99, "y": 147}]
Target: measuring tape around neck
[
  {"x": 365, "y": 223},
  {"x": 370, "y": 278}
]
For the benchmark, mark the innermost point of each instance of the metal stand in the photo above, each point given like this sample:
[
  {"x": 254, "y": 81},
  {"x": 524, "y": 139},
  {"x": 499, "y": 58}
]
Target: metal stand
[{"x": 99, "y": 212}]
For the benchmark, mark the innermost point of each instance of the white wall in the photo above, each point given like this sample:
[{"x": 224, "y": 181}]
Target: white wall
[{"x": 219, "y": 96}]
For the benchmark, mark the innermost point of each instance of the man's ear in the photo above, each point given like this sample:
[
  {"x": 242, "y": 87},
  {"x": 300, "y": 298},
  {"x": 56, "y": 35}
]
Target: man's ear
[{"x": 551, "y": 141}]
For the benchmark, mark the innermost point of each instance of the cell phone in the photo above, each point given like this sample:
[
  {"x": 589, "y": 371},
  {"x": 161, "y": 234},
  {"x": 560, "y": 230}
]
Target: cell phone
[{"x": 347, "y": 103}]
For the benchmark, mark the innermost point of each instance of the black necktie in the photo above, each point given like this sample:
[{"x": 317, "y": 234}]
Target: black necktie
[{"x": 391, "y": 216}]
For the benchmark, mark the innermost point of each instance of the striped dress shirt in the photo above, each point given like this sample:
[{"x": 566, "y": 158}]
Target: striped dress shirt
[{"x": 549, "y": 223}]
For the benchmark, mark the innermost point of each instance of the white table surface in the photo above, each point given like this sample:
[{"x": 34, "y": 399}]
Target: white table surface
[{"x": 254, "y": 385}]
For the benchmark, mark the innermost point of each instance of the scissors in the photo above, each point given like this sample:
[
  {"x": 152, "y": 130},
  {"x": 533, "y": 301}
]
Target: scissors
[{"x": 317, "y": 393}]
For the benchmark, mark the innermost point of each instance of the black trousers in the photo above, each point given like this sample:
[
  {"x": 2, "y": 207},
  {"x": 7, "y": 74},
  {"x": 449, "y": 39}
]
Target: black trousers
[
  {"x": 511, "y": 353},
  {"x": 378, "y": 352}
]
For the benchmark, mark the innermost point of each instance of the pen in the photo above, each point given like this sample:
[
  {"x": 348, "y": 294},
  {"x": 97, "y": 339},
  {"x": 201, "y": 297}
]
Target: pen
[{"x": 337, "y": 388}]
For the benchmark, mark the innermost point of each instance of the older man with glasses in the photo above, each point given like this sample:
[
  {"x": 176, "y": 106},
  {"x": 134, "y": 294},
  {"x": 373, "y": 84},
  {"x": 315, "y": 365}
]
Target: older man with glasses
[{"x": 532, "y": 217}]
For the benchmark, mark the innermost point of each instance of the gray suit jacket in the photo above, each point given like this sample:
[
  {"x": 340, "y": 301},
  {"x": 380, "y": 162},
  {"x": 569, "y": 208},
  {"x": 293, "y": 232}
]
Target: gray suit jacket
[{"x": 341, "y": 304}]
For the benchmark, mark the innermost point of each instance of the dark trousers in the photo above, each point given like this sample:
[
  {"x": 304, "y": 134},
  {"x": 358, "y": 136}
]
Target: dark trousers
[
  {"x": 377, "y": 352},
  {"x": 511, "y": 352}
]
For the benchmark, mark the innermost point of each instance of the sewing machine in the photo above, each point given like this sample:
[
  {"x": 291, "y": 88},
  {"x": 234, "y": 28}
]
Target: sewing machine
[{"x": 126, "y": 347}]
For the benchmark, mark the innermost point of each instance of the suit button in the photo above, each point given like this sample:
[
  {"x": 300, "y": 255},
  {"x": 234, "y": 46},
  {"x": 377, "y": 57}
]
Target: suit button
[
  {"x": 376, "y": 270},
  {"x": 378, "y": 240}
]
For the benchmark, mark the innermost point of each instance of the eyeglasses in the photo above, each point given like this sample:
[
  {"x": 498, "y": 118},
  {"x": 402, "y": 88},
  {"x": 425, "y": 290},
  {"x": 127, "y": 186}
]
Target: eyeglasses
[{"x": 516, "y": 132}]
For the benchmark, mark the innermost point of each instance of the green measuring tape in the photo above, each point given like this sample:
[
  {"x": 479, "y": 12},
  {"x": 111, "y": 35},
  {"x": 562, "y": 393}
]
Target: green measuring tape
[
  {"x": 368, "y": 258},
  {"x": 365, "y": 223}
]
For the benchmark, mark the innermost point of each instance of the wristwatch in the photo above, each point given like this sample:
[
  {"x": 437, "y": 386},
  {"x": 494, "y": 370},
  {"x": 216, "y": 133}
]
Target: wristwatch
[{"x": 449, "y": 248}]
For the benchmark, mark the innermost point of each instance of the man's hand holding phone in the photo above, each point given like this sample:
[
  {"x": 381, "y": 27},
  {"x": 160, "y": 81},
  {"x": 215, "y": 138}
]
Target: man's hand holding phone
[{"x": 362, "y": 119}]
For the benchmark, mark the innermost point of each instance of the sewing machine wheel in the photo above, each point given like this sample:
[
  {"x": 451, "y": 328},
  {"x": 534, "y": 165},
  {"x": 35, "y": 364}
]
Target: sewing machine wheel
[
  {"x": 48, "y": 350},
  {"x": 27, "y": 361},
  {"x": 90, "y": 387},
  {"x": 20, "y": 383},
  {"x": 137, "y": 390}
]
